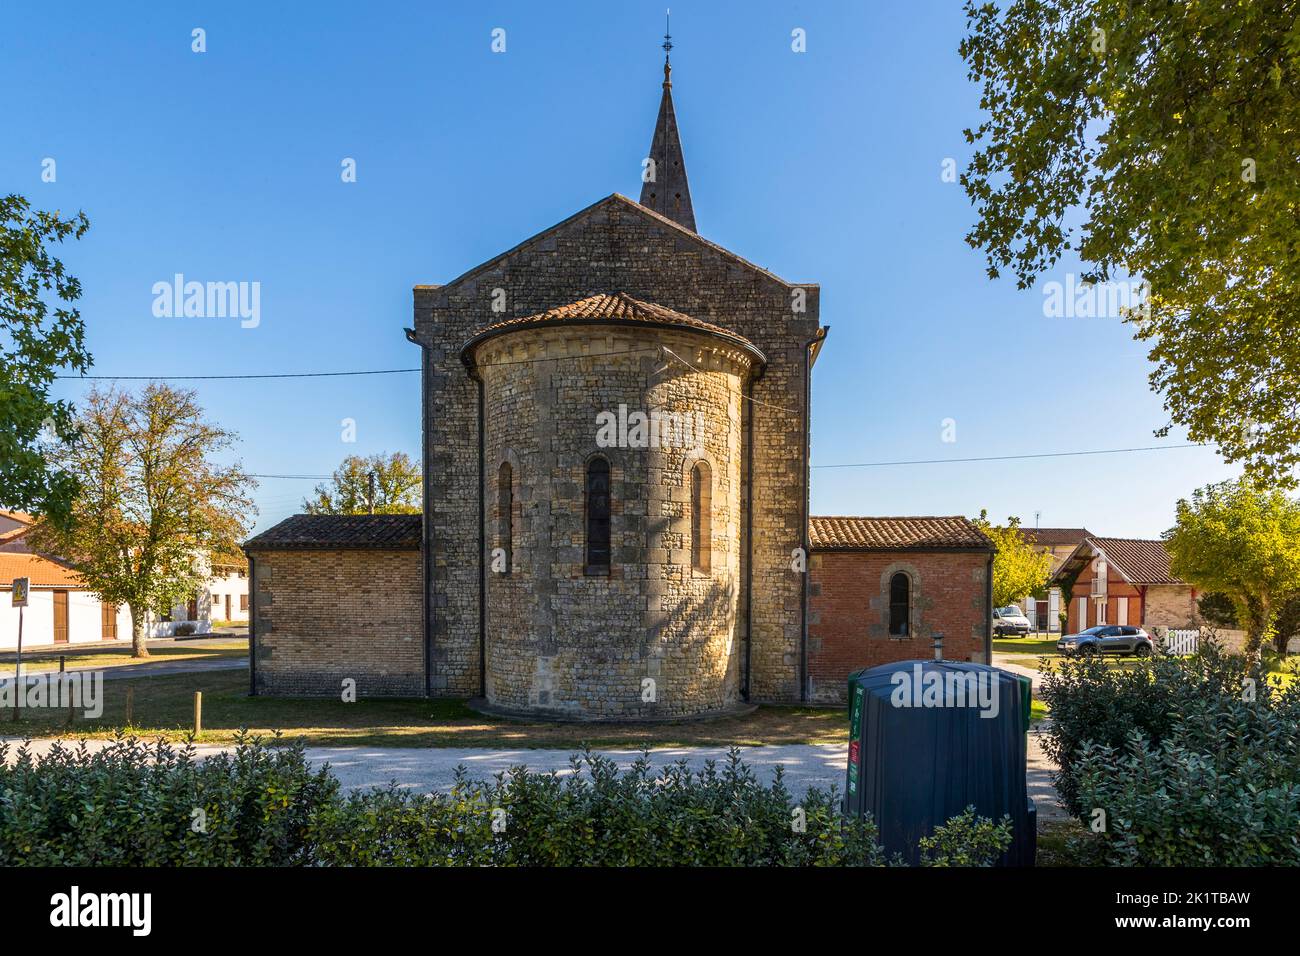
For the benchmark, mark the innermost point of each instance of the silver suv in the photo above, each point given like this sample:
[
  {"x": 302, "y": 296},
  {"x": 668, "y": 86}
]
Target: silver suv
[{"x": 1107, "y": 639}]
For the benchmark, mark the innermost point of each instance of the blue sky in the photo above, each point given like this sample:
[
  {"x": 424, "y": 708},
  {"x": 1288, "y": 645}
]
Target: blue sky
[{"x": 823, "y": 166}]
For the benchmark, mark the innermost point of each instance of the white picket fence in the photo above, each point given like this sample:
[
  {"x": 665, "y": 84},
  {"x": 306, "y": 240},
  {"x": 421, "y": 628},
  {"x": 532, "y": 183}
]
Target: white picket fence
[{"x": 1180, "y": 642}]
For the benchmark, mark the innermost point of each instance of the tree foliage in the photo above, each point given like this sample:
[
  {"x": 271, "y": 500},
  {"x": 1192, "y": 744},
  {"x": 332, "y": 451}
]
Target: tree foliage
[
  {"x": 1018, "y": 569},
  {"x": 153, "y": 503},
  {"x": 1243, "y": 542},
  {"x": 1157, "y": 140},
  {"x": 397, "y": 487},
  {"x": 35, "y": 343}
]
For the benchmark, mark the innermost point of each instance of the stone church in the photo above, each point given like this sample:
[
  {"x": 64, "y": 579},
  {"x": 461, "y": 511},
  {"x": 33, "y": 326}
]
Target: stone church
[{"x": 616, "y": 421}]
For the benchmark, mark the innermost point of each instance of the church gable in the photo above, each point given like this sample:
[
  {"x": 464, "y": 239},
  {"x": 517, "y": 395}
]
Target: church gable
[{"x": 617, "y": 244}]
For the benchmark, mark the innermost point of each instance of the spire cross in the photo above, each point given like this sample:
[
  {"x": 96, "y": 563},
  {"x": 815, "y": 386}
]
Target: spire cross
[{"x": 668, "y": 48}]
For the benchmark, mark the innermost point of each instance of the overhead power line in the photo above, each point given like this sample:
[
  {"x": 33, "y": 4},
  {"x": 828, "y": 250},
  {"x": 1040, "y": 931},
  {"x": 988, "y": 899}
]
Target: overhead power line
[
  {"x": 1044, "y": 454},
  {"x": 208, "y": 378},
  {"x": 914, "y": 461}
]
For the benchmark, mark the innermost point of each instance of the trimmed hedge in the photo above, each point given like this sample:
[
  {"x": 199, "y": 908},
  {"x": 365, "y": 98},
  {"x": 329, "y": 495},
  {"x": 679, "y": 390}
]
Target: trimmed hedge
[
  {"x": 132, "y": 804},
  {"x": 1185, "y": 768}
]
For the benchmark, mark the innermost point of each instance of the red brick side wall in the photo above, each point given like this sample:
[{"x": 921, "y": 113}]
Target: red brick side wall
[
  {"x": 1154, "y": 605},
  {"x": 321, "y": 617},
  {"x": 848, "y": 612}
]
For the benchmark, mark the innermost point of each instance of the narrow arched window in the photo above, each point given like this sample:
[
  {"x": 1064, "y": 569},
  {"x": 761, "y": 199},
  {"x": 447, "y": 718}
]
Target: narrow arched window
[
  {"x": 505, "y": 515},
  {"x": 598, "y": 516},
  {"x": 701, "y": 519},
  {"x": 900, "y": 605}
]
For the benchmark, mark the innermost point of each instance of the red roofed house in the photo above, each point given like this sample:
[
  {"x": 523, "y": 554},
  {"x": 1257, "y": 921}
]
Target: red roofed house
[
  {"x": 60, "y": 610},
  {"x": 1058, "y": 544},
  {"x": 1124, "y": 581},
  {"x": 882, "y": 590}
]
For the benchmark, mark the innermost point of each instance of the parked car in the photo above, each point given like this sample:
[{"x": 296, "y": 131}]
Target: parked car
[
  {"x": 1107, "y": 639},
  {"x": 1009, "y": 620}
]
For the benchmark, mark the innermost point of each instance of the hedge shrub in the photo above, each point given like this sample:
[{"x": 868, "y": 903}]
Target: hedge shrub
[
  {"x": 1184, "y": 768},
  {"x": 132, "y": 804}
]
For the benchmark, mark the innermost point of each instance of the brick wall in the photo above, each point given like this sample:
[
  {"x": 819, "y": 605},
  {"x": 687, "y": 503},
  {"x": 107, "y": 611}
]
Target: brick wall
[
  {"x": 323, "y": 616},
  {"x": 848, "y": 624}
]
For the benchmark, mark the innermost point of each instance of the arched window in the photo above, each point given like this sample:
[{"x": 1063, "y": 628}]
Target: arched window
[
  {"x": 900, "y": 605},
  {"x": 598, "y": 516},
  {"x": 701, "y": 519},
  {"x": 505, "y": 514}
]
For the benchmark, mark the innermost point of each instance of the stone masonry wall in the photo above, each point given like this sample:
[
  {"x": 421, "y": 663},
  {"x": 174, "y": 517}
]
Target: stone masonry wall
[
  {"x": 616, "y": 246},
  {"x": 323, "y": 616},
  {"x": 848, "y": 626},
  {"x": 1170, "y": 605},
  {"x": 561, "y": 640}
]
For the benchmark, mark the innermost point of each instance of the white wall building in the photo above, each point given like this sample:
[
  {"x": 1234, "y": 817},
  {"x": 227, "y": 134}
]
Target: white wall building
[{"x": 62, "y": 610}]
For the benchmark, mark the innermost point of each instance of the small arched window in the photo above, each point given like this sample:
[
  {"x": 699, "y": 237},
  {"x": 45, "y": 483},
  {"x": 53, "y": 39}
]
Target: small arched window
[
  {"x": 505, "y": 514},
  {"x": 598, "y": 516},
  {"x": 900, "y": 605},
  {"x": 701, "y": 518}
]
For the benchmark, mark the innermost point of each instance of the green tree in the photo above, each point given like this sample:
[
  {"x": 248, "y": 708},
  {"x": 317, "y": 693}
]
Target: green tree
[
  {"x": 397, "y": 487},
  {"x": 1018, "y": 569},
  {"x": 153, "y": 504},
  {"x": 35, "y": 343},
  {"x": 1218, "y": 610},
  {"x": 1157, "y": 140},
  {"x": 1242, "y": 541}
]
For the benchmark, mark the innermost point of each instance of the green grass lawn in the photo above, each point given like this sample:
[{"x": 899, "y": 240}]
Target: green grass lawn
[
  {"x": 1028, "y": 646},
  {"x": 163, "y": 706},
  {"x": 89, "y": 656}
]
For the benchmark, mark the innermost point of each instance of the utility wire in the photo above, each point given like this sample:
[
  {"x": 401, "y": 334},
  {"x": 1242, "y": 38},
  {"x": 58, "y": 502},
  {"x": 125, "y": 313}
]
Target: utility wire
[
  {"x": 195, "y": 378},
  {"x": 916, "y": 461},
  {"x": 1045, "y": 454}
]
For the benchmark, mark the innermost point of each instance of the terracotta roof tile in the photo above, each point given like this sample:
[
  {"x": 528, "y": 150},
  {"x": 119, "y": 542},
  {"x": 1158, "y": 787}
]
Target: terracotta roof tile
[
  {"x": 895, "y": 534},
  {"x": 43, "y": 572},
  {"x": 340, "y": 532},
  {"x": 613, "y": 307},
  {"x": 1141, "y": 561}
]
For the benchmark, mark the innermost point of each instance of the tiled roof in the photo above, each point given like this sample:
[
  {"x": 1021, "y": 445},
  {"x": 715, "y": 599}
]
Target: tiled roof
[
  {"x": 895, "y": 534},
  {"x": 1141, "y": 561},
  {"x": 1055, "y": 537},
  {"x": 43, "y": 572},
  {"x": 341, "y": 532},
  {"x": 614, "y": 307},
  {"x": 19, "y": 516}
]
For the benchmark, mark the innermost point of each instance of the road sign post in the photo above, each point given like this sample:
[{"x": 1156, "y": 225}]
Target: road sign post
[{"x": 20, "y": 588}]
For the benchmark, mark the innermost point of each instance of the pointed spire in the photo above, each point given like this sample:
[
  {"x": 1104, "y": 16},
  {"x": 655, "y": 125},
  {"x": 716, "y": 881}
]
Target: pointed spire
[{"x": 668, "y": 194}]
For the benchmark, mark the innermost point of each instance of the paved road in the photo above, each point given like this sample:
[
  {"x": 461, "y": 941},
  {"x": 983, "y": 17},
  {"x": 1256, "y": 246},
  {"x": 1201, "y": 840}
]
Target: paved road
[
  {"x": 168, "y": 668},
  {"x": 162, "y": 668},
  {"x": 427, "y": 769},
  {"x": 81, "y": 652}
]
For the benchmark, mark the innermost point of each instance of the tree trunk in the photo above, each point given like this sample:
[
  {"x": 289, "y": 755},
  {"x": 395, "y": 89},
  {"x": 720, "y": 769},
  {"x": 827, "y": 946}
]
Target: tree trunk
[
  {"x": 139, "y": 648},
  {"x": 1258, "y": 621}
]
